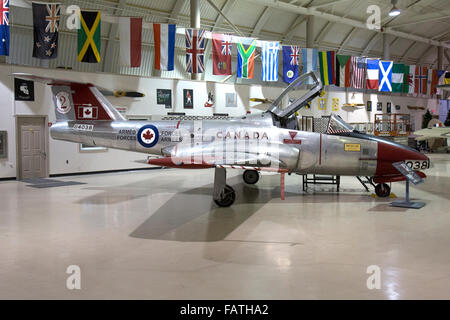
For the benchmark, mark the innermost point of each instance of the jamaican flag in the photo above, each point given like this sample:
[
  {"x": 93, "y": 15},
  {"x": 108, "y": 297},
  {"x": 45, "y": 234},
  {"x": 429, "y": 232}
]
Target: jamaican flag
[{"x": 89, "y": 37}]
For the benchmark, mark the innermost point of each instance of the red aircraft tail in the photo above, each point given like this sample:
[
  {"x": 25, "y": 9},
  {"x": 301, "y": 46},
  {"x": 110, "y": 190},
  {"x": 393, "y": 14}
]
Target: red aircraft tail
[{"x": 76, "y": 100}]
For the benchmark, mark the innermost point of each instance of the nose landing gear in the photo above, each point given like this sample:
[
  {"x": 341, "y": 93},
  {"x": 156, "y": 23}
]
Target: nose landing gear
[
  {"x": 250, "y": 176},
  {"x": 382, "y": 190}
]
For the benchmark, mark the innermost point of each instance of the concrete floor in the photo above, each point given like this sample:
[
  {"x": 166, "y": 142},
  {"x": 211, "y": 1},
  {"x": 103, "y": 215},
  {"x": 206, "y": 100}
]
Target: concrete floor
[{"x": 157, "y": 235}]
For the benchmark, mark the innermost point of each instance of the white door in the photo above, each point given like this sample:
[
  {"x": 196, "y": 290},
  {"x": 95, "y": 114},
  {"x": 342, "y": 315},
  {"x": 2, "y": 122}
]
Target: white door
[{"x": 33, "y": 155}]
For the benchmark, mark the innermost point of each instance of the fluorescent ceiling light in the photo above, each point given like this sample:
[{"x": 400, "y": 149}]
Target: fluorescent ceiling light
[{"x": 394, "y": 11}]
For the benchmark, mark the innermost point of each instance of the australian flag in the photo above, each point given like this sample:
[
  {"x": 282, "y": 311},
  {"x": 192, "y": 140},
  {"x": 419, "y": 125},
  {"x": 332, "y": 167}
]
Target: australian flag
[
  {"x": 290, "y": 63},
  {"x": 4, "y": 28},
  {"x": 45, "y": 24}
]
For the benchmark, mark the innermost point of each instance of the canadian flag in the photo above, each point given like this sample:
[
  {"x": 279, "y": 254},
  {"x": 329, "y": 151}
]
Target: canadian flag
[{"x": 87, "y": 113}]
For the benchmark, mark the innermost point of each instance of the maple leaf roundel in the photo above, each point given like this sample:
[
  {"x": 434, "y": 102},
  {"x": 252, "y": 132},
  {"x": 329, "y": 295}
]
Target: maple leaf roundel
[{"x": 148, "y": 136}]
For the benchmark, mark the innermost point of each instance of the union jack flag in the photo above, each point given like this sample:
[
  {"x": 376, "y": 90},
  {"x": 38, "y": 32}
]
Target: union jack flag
[
  {"x": 4, "y": 10},
  {"x": 226, "y": 45},
  {"x": 195, "y": 50},
  {"x": 294, "y": 55},
  {"x": 52, "y": 18}
]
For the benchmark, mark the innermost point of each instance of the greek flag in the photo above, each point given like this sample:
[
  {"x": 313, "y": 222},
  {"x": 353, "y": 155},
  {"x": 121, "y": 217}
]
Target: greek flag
[{"x": 269, "y": 56}]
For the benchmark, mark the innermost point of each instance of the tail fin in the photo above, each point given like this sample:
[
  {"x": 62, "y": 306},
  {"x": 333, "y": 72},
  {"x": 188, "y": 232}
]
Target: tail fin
[{"x": 77, "y": 101}]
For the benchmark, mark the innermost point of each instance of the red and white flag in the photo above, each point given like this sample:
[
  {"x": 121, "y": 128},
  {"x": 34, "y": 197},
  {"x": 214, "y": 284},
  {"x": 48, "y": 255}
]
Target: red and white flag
[
  {"x": 432, "y": 81},
  {"x": 358, "y": 71},
  {"x": 221, "y": 54},
  {"x": 373, "y": 73},
  {"x": 421, "y": 80},
  {"x": 130, "y": 30}
]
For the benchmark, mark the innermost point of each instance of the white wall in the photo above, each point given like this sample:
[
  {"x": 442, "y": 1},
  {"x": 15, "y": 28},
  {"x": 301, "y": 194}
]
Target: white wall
[{"x": 63, "y": 152}]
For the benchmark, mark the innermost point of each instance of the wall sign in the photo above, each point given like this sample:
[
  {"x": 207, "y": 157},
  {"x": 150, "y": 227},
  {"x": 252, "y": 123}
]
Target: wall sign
[
  {"x": 3, "y": 144},
  {"x": 164, "y": 96},
  {"x": 369, "y": 105},
  {"x": 322, "y": 104},
  {"x": 335, "y": 104},
  {"x": 23, "y": 90},
  {"x": 188, "y": 99},
  {"x": 389, "y": 107},
  {"x": 379, "y": 106},
  {"x": 230, "y": 100}
]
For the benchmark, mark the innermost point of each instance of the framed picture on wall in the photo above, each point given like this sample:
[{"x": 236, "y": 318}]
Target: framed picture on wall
[
  {"x": 379, "y": 106},
  {"x": 388, "y": 107},
  {"x": 23, "y": 90},
  {"x": 164, "y": 96},
  {"x": 369, "y": 105},
  {"x": 3, "y": 144},
  {"x": 188, "y": 99},
  {"x": 230, "y": 100}
]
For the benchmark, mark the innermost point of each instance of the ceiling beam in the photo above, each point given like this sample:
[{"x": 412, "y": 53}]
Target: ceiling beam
[
  {"x": 178, "y": 6},
  {"x": 347, "y": 21},
  {"x": 347, "y": 39},
  {"x": 331, "y": 3},
  {"x": 261, "y": 21},
  {"x": 407, "y": 51},
  {"x": 370, "y": 44},
  {"x": 108, "y": 64}
]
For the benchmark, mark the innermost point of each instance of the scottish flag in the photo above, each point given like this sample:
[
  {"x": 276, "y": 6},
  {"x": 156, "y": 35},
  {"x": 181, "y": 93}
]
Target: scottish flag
[
  {"x": 4, "y": 28},
  {"x": 269, "y": 56},
  {"x": 385, "y": 76}
]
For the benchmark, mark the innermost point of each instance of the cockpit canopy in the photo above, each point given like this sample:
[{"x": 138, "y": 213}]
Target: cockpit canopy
[{"x": 336, "y": 125}]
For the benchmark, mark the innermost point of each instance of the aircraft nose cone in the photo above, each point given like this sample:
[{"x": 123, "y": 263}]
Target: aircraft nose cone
[{"x": 390, "y": 152}]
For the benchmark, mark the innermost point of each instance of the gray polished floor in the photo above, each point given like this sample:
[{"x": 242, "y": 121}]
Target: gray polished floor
[{"x": 157, "y": 235}]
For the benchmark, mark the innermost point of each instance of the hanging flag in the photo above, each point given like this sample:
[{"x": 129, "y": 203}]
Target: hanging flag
[
  {"x": 398, "y": 72},
  {"x": 221, "y": 47},
  {"x": 269, "y": 60},
  {"x": 447, "y": 78},
  {"x": 432, "y": 81},
  {"x": 195, "y": 50},
  {"x": 358, "y": 72},
  {"x": 327, "y": 67},
  {"x": 421, "y": 80},
  {"x": 130, "y": 31},
  {"x": 46, "y": 18},
  {"x": 164, "y": 36},
  {"x": 343, "y": 64},
  {"x": 409, "y": 79},
  {"x": 441, "y": 77},
  {"x": 373, "y": 73},
  {"x": 290, "y": 63},
  {"x": 246, "y": 60},
  {"x": 89, "y": 37},
  {"x": 385, "y": 76},
  {"x": 309, "y": 62},
  {"x": 4, "y": 28}
]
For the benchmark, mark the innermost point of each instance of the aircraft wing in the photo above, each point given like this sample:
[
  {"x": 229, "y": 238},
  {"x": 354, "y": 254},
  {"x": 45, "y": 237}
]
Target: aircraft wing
[
  {"x": 433, "y": 133},
  {"x": 203, "y": 157}
]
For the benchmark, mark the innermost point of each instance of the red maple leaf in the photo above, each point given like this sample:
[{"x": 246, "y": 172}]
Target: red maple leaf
[
  {"x": 147, "y": 135},
  {"x": 87, "y": 111}
]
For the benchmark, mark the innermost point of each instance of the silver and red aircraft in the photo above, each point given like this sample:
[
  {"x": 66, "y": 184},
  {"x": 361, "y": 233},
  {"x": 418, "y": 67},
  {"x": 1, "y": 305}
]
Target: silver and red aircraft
[{"x": 269, "y": 141}]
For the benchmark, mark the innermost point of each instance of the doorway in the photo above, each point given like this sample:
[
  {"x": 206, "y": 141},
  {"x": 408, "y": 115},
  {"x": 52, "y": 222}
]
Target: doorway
[{"x": 32, "y": 147}]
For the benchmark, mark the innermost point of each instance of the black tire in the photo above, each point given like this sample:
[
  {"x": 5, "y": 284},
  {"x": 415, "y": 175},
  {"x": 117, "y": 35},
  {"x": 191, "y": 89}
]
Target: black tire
[
  {"x": 227, "y": 197},
  {"x": 250, "y": 176},
  {"x": 382, "y": 190}
]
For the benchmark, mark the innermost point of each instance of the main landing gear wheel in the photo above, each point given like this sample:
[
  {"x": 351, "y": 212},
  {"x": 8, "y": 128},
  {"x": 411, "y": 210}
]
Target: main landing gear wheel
[
  {"x": 227, "y": 197},
  {"x": 382, "y": 190},
  {"x": 250, "y": 176}
]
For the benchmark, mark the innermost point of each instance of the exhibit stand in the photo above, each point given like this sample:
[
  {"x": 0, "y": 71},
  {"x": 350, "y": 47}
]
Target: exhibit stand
[{"x": 412, "y": 176}]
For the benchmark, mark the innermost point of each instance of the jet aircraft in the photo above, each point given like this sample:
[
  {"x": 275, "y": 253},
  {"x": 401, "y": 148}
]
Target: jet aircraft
[{"x": 270, "y": 141}]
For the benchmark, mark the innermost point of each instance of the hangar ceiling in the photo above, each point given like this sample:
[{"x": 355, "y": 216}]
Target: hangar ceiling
[{"x": 280, "y": 20}]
